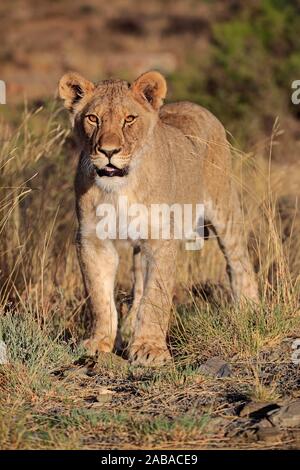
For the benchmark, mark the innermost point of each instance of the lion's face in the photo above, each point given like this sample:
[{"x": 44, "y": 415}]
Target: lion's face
[{"x": 113, "y": 121}]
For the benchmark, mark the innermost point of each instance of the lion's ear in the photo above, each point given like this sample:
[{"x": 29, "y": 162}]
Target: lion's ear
[
  {"x": 151, "y": 86},
  {"x": 72, "y": 87}
]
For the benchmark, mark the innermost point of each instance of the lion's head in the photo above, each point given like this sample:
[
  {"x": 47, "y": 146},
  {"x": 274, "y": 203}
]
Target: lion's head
[{"x": 113, "y": 120}]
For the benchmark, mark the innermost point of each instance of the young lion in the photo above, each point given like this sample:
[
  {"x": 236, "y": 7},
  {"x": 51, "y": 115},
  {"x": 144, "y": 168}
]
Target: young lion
[{"x": 130, "y": 145}]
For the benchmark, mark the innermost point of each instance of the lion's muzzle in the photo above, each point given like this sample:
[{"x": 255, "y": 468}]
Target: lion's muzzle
[{"x": 110, "y": 170}]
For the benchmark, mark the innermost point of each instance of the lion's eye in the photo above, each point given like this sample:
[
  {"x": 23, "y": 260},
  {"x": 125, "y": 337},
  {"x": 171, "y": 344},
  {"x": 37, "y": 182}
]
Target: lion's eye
[
  {"x": 92, "y": 118},
  {"x": 129, "y": 119}
]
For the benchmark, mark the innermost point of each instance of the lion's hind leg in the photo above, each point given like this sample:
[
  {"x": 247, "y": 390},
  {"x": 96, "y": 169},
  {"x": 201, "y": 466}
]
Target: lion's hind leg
[{"x": 228, "y": 225}]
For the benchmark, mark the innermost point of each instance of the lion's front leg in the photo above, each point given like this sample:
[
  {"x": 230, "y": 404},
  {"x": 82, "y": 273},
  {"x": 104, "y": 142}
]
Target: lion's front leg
[
  {"x": 99, "y": 262},
  {"x": 148, "y": 346},
  {"x": 129, "y": 320}
]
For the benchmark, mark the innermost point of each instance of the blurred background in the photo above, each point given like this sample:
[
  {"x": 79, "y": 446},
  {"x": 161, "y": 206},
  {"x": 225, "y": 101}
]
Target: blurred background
[{"x": 236, "y": 58}]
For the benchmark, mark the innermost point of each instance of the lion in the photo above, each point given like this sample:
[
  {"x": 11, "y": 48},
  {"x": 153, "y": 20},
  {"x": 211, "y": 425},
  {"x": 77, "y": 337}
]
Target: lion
[{"x": 133, "y": 145}]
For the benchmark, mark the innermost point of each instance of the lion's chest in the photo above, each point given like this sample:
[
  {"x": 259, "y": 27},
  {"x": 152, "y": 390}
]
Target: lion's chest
[{"x": 124, "y": 220}]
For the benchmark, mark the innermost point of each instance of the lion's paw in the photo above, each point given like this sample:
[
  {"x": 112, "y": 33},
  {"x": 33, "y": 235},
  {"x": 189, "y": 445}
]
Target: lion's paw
[
  {"x": 95, "y": 345},
  {"x": 147, "y": 354}
]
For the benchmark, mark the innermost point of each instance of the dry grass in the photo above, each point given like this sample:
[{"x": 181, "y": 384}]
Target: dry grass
[{"x": 42, "y": 302}]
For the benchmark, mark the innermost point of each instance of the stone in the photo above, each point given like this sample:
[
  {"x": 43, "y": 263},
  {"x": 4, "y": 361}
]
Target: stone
[
  {"x": 104, "y": 394},
  {"x": 271, "y": 435},
  {"x": 265, "y": 423},
  {"x": 257, "y": 410},
  {"x": 215, "y": 367},
  {"x": 287, "y": 416}
]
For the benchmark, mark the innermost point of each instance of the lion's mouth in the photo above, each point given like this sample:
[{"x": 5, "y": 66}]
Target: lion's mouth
[{"x": 111, "y": 170}]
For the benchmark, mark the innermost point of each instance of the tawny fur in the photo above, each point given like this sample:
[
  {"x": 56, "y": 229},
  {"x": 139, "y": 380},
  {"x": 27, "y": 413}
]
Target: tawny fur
[{"x": 176, "y": 153}]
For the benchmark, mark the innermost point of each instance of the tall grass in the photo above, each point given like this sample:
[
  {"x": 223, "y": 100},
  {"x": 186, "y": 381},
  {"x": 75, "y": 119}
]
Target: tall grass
[
  {"x": 41, "y": 292},
  {"x": 39, "y": 270}
]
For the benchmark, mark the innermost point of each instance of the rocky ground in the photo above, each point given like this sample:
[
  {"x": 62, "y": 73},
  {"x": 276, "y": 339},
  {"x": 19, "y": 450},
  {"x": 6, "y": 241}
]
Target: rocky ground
[{"x": 104, "y": 403}]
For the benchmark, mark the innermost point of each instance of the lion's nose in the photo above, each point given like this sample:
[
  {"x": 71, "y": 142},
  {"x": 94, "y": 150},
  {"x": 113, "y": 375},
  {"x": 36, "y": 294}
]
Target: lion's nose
[{"x": 108, "y": 152}]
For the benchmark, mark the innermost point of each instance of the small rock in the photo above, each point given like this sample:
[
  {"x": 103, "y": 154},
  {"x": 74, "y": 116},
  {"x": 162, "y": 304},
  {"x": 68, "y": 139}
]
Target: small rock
[
  {"x": 241, "y": 428},
  {"x": 287, "y": 416},
  {"x": 215, "y": 367},
  {"x": 295, "y": 434},
  {"x": 265, "y": 423},
  {"x": 257, "y": 410},
  {"x": 271, "y": 435},
  {"x": 104, "y": 395},
  {"x": 3, "y": 353}
]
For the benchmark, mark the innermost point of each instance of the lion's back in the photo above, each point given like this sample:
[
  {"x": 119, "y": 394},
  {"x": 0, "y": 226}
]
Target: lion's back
[
  {"x": 209, "y": 144},
  {"x": 191, "y": 119}
]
